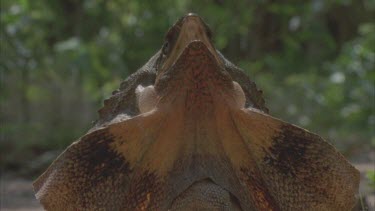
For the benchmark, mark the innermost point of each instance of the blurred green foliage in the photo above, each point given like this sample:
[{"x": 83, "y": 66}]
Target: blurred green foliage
[
  {"x": 371, "y": 177},
  {"x": 59, "y": 59}
]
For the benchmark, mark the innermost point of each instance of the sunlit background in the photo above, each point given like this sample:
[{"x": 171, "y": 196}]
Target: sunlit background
[{"x": 314, "y": 60}]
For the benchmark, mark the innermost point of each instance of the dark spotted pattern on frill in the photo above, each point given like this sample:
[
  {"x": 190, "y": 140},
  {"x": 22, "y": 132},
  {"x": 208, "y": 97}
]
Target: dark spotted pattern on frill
[{"x": 288, "y": 150}]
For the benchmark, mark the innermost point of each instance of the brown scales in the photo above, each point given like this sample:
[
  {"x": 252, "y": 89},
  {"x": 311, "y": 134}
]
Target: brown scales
[{"x": 190, "y": 131}]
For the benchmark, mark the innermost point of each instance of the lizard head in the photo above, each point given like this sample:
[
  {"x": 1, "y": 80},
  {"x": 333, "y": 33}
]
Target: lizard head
[
  {"x": 186, "y": 63},
  {"x": 190, "y": 67},
  {"x": 181, "y": 37}
]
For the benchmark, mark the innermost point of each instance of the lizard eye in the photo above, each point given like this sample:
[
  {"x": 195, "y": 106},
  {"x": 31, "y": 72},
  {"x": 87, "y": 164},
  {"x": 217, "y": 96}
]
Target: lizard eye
[{"x": 166, "y": 47}]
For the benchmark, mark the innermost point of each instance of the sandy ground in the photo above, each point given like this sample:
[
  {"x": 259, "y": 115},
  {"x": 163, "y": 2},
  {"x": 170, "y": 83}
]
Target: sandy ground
[{"x": 16, "y": 194}]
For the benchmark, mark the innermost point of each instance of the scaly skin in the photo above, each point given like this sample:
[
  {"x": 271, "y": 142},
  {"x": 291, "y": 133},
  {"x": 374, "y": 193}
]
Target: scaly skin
[{"x": 190, "y": 131}]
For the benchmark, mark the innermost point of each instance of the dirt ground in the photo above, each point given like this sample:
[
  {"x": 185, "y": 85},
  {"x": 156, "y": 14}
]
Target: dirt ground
[{"x": 16, "y": 194}]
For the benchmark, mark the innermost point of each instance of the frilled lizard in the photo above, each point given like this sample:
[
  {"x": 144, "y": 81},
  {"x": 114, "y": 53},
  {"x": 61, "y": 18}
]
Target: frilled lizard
[{"x": 190, "y": 131}]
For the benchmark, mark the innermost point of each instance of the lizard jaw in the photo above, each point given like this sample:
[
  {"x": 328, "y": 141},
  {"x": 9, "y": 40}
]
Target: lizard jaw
[{"x": 195, "y": 82}]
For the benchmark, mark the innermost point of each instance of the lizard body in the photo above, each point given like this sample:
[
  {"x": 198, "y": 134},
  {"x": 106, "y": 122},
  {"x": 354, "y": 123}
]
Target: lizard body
[{"x": 190, "y": 131}]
